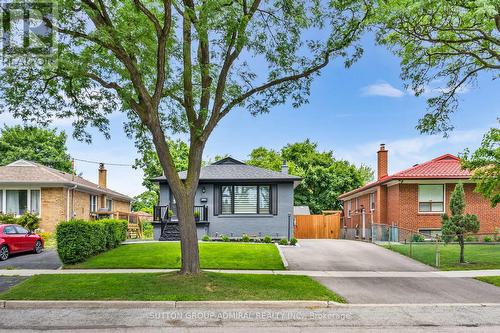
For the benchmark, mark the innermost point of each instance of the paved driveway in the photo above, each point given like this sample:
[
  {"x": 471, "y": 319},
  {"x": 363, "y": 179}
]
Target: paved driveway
[
  {"x": 48, "y": 259},
  {"x": 344, "y": 255}
]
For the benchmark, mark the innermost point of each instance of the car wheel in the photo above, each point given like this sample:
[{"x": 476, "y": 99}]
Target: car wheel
[
  {"x": 38, "y": 247},
  {"x": 4, "y": 253}
]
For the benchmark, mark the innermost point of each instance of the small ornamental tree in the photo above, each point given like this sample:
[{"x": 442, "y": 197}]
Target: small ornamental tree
[{"x": 458, "y": 224}]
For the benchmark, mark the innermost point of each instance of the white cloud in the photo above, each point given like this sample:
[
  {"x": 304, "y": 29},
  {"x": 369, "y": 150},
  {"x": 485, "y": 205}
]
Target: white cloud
[
  {"x": 406, "y": 152},
  {"x": 382, "y": 89}
]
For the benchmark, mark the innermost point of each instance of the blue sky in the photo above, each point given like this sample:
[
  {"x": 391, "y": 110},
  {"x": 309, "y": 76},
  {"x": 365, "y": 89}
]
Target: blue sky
[{"x": 350, "y": 112}]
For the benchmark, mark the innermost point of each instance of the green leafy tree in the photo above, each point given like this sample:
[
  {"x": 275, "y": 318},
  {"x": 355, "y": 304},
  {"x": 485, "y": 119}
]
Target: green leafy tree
[
  {"x": 485, "y": 166},
  {"x": 41, "y": 145},
  {"x": 151, "y": 166},
  {"x": 441, "y": 41},
  {"x": 458, "y": 224},
  {"x": 145, "y": 202},
  {"x": 324, "y": 177},
  {"x": 181, "y": 67}
]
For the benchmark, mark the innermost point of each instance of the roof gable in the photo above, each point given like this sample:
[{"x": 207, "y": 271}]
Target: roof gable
[
  {"x": 227, "y": 160},
  {"x": 445, "y": 166}
]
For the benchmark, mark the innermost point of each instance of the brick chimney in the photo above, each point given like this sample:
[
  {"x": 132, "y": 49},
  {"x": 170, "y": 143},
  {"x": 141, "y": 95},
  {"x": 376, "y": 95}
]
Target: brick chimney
[
  {"x": 103, "y": 173},
  {"x": 284, "y": 168},
  {"x": 382, "y": 161}
]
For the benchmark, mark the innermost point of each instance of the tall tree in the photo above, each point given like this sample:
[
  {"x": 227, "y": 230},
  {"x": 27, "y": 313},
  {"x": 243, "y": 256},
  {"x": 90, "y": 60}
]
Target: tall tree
[
  {"x": 485, "y": 166},
  {"x": 324, "y": 177},
  {"x": 145, "y": 202},
  {"x": 450, "y": 41},
  {"x": 458, "y": 224},
  {"x": 182, "y": 66},
  {"x": 41, "y": 145},
  {"x": 150, "y": 163}
]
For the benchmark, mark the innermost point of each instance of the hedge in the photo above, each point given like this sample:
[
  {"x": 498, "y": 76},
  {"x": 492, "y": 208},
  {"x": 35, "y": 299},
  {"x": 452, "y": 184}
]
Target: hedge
[{"x": 78, "y": 240}]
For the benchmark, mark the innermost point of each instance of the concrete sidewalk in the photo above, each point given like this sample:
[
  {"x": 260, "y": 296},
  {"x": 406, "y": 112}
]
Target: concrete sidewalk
[{"x": 337, "y": 274}]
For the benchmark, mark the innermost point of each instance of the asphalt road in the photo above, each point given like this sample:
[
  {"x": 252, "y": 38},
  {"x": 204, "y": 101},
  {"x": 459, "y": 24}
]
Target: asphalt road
[
  {"x": 344, "y": 255},
  {"x": 350, "y": 318},
  {"x": 48, "y": 259}
]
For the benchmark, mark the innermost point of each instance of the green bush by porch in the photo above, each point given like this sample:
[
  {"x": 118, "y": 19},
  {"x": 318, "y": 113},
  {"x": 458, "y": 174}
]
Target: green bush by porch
[
  {"x": 476, "y": 256},
  {"x": 169, "y": 287},
  {"x": 216, "y": 255}
]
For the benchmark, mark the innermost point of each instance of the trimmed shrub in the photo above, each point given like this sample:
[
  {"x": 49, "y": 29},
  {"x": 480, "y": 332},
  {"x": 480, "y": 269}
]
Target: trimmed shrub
[
  {"x": 205, "y": 238},
  {"x": 470, "y": 238},
  {"x": 245, "y": 238},
  {"x": 7, "y": 219},
  {"x": 224, "y": 238},
  {"x": 417, "y": 238},
  {"x": 487, "y": 239},
  {"x": 78, "y": 240},
  {"x": 29, "y": 221},
  {"x": 293, "y": 241},
  {"x": 283, "y": 242},
  {"x": 267, "y": 239}
]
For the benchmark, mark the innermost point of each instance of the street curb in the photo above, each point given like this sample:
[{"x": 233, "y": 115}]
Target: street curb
[
  {"x": 251, "y": 304},
  {"x": 282, "y": 255},
  {"x": 164, "y": 304}
]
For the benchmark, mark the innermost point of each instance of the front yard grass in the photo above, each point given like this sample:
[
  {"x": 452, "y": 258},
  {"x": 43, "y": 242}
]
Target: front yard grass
[
  {"x": 494, "y": 280},
  {"x": 169, "y": 287},
  {"x": 477, "y": 256},
  {"x": 168, "y": 255}
]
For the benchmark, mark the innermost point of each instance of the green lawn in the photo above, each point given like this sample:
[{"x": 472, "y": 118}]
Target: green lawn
[
  {"x": 477, "y": 256},
  {"x": 495, "y": 280},
  {"x": 167, "y": 255},
  {"x": 169, "y": 287}
]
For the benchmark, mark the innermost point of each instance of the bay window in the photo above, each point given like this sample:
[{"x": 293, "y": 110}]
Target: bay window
[
  {"x": 20, "y": 201},
  {"x": 431, "y": 198},
  {"x": 245, "y": 199}
]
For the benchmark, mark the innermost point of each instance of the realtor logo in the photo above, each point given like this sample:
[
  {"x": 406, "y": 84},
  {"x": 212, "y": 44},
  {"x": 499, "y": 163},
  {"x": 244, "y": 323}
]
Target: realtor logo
[{"x": 27, "y": 28}]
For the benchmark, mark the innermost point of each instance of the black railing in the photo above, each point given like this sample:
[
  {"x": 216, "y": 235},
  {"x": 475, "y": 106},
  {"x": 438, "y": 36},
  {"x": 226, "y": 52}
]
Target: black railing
[
  {"x": 161, "y": 213},
  {"x": 201, "y": 213}
]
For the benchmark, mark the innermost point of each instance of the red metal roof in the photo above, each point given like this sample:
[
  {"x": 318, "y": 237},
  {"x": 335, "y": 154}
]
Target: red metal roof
[{"x": 443, "y": 167}]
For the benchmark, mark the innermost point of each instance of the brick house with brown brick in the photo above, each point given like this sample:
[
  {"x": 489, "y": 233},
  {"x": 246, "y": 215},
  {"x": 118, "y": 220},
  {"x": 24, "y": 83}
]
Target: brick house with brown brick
[
  {"x": 55, "y": 195},
  {"x": 414, "y": 199}
]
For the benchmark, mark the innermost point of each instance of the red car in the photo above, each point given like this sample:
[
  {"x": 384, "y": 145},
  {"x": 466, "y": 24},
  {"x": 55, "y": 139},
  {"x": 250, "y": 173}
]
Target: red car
[{"x": 15, "y": 239}]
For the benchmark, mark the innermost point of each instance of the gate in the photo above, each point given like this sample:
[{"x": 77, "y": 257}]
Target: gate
[{"x": 317, "y": 226}]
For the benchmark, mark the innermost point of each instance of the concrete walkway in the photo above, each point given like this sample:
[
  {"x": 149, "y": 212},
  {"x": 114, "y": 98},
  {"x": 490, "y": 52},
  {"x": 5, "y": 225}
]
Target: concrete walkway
[{"x": 337, "y": 274}]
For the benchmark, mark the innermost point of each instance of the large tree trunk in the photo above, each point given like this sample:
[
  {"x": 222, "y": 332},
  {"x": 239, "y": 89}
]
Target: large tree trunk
[
  {"x": 462, "y": 246},
  {"x": 189, "y": 238}
]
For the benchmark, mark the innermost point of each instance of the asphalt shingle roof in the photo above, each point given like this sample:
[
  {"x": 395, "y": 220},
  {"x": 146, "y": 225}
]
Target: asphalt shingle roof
[
  {"x": 27, "y": 172},
  {"x": 230, "y": 169}
]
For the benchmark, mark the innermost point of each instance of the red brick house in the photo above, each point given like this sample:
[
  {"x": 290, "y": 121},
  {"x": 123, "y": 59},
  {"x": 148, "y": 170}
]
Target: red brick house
[{"x": 415, "y": 198}]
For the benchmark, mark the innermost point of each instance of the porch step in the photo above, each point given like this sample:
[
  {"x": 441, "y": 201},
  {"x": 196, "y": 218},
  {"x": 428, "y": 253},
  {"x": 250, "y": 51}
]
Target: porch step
[{"x": 171, "y": 232}]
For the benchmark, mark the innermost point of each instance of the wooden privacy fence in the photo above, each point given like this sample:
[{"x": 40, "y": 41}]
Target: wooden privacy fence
[{"x": 317, "y": 226}]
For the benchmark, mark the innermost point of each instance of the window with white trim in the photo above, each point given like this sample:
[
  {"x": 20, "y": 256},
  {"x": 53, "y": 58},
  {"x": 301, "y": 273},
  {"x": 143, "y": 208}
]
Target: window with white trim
[
  {"x": 93, "y": 203},
  {"x": 372, "y": 201},
  {"x": 431, "y": 198},
  {"x": 20, "y": 201},
  {"x": 349, "y": 207}
]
